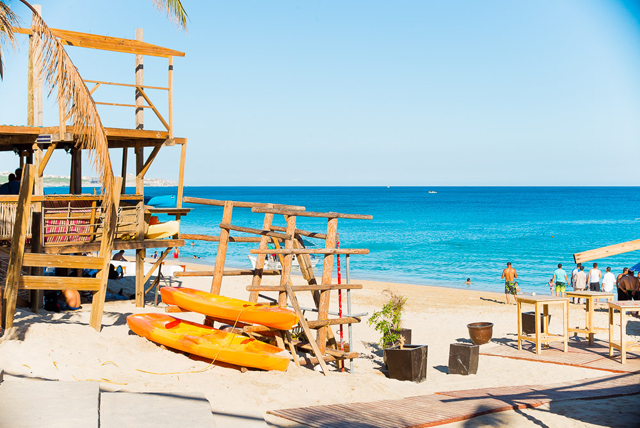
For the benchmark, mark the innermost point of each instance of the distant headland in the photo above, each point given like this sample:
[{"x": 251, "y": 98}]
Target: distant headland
[{"x": 63, "y": 180}]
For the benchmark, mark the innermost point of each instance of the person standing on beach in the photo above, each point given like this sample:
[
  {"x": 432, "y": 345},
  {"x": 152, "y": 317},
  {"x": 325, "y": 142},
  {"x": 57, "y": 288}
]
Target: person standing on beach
[
  {"x": 608, "y": 281},
  {"x": 628, "y": 285},
  {"x": 561, "y": 280},
  {"x": 573, "y": 275},
  {"x": 622, "y": 293},
  {"x": 580, "y": 282},
  {"x": 594, "y": 278},
  {"x": 509, "y": 275}
]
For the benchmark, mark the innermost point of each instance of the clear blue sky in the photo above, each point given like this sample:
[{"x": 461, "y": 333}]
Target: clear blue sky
[{"x": 374, "y": 92}]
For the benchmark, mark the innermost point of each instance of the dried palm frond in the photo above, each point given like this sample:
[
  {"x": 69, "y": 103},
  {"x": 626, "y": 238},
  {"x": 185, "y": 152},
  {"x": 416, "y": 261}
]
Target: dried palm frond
[
  {"x": 8, "y": 20},
  {"x": 174, "y": 10},
  {"x": 78, "y": 104}
]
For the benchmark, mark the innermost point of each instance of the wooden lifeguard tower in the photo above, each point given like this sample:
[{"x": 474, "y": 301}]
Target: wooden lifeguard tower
[{"x": 75, "y": 223}]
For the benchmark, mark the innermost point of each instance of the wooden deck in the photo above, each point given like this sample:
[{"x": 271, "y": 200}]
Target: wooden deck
[
  {"x": 453, "y": 406},
  {"x": 580, "y": 354}
]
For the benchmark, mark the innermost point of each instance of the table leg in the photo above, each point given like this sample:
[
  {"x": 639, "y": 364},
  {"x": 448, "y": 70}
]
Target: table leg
[
  {"x": 519, "y": 306},
  {"x": 536, "y": 312},
  {"x": 565, "y": 324},
  {"x": 611, "y": 326},
  {"x": 623, "y": 336},
  {"x": 545, "y": 321},
  {"x": 590, "y": 315}
]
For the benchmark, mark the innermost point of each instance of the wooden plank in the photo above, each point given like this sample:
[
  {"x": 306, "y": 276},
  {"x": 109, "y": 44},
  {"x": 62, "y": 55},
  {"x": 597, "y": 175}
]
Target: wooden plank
[
  {"x": 52, "y": 260},
  {"x": 310, "y": 287},
  {"x": 237, "y": 204},
  {"x": 288, "y": 260},
  {"x": 130, "y": 85},
  {"x": 117, "y": 245},
  {"x": 608, "y": 251},
  {"x": 28, "y": 282},
  {"x": 208, "y": 238},
  {"x": 216, "y": 282},
  {"x": 327, "y": 272},
  {"x": 261, "y": 232},
  {"x": 259, "y": 267},
  {"x": 308, "y": 361},
  {"x": 155, "y": 110},
  {"x": 66, "y": 198},
  {"x": 281, "y": 211},
  {"x": 234, "y": 272},
  {"x": 333, "y": 321},
  {"x": 183, "y": 157},
  {"x": 170, "y": 99},
  {"x": 301, "y": 232},
  {"x": 36, "y": 248},
  {"x": 150, "y": 159},
  {"x": 114, "y": 44},
  {"x": 14, "y": 265},
  {"x": 106, "y": 245},
  {"x": 170, "y": 211},
  {"x": 325, "y": 251},
  {"x": 47, "y": 156}
]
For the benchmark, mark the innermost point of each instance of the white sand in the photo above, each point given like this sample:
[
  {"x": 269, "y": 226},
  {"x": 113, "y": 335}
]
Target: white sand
[{"x": 63, "y": 346}]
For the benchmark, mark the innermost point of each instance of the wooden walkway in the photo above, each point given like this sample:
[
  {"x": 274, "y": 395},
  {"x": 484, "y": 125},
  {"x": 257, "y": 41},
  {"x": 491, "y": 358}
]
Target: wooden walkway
[
  {"x": 453, "y": 406},
  {"x": 580, "y": 354}
]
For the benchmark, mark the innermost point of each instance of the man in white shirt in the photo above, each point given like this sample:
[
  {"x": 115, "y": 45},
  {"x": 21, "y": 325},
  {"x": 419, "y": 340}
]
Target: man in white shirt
[
  {"x": 608, "y": 281},
  {"x": 594, "y": 278},
  {"x": 580, "y": 282},
  {"x": 573, "y": 275}
]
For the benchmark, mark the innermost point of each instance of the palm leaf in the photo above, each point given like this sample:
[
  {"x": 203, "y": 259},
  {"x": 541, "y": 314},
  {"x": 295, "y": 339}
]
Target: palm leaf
[
  {"x": 174, "y": 10},
  {"x": 78, "y": 104},
  {"x": 8, "y": 20}
]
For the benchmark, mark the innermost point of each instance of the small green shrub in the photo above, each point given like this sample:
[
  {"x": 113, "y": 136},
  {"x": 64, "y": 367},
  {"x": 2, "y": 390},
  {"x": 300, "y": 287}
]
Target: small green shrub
[{"x": 389, "y": 318}]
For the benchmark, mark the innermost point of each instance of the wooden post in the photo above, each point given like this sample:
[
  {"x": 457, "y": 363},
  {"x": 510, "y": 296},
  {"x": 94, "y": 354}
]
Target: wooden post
[
  {"x": 37, "y": 80},
  {"x": 19, "y": 237},
  {"x": 109, "y": 228},
  {"x": 260, "y": 258},
  {"x": 140, "y": 82},
  {"x": 125, "y": 154},
  {"x": 36, "y": 248},
  {"x": 140, "y": 229},
  {"x": 285, "y": 278},
  {"x": 76, "y": 172},
  {"x": 170, "y": 86},
  {"x": 183, "y": 155},
  {"x": 327, "y": 274},
  {"x": 218, "y": 270}
]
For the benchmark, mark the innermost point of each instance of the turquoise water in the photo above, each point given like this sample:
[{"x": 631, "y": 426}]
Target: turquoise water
[{"x": 441, "y": 239}]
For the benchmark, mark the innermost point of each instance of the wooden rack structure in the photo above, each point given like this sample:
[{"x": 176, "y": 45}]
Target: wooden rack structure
[
  {"x": 323, "y": 347},
  {"x": 35, "y": 144}
]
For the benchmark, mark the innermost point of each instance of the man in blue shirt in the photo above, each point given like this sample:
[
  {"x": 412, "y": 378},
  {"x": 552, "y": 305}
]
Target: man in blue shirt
[{"x": 561, "y": 280}]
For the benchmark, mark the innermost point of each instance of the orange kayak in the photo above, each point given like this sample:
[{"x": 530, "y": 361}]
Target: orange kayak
[
  {"x": 208, "y": 342},
  {"x": 228, "y": 308}
]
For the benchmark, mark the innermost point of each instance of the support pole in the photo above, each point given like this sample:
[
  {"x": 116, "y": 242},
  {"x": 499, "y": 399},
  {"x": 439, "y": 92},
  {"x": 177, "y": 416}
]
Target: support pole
[
  {"x": 125, "y": 154},
  {"x": 140, "y": 82},
  {"x": 140, "y": 229}
]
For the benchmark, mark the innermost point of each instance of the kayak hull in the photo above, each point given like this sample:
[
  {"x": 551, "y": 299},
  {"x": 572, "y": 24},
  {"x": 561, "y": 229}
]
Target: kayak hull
[
  {"x": 162, "y": 230},
  {"x": 208, "y": 342},
  {"x": 228, "y": 308}
]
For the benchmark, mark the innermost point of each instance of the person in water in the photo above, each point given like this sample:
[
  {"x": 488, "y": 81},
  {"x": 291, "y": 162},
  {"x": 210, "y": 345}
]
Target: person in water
[
  {"x": 509, "y": 275},
  {"x": 468, "y": 281}
]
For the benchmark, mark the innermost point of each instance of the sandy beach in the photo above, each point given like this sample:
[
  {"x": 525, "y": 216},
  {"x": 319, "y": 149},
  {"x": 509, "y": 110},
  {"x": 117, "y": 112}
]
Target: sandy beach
[{"x": 62, "y": 346}]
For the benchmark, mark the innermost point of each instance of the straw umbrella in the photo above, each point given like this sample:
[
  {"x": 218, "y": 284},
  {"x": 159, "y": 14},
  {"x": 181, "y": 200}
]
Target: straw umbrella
[{"x": 61, "y": 73}]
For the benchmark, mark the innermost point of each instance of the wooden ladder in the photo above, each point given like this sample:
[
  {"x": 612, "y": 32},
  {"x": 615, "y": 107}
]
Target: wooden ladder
[{"x": 18, "y": 258}]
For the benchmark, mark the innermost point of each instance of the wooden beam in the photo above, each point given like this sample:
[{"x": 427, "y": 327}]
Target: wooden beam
[
  {"x": 28, "y": 282},
  {"x": 237, "y": 204},
  {"x": 45, "y": 159},
  {"x": 158, "y": 262},
  {"x": 155, "y": 110},
  {"x": 208, "y": 238},
  {"x": 307, "y": 287},
  {"x": 114, "y": 44},
  {"x": 233, "y": 272},
  {"x": 216, "y": 282},
  {"x": 327, "y": 272},
  {"x": 73, "y": 262},
  {"x": 125, "y": 155},
  {"x": 324, "y": 251},
  {"x": 300, "y": 232},
  {"x": 150, "y": 159},
  {"x": 259, "y": 266},
  {"x": 310, "y": 213},
  {"x": 183, "y": 156},
  {"x": 117, "y": 245},
  {"x": 14, "y": 265},
  {"x": 282, "y": 236},
  {"x": 608, "y": 251}
]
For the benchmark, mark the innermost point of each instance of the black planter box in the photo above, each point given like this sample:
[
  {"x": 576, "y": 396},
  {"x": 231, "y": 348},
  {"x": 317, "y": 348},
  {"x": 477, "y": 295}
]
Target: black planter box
[
  {"x": 409, "y": 363},
  {"x": 529, "y": 323},
  {"x": 463, "y": 358}
]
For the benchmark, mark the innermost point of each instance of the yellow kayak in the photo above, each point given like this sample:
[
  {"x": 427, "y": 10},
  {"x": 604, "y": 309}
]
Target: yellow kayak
[
  {"x": 228, "y": 308},
  {"x": 162, "y": 230},
  {"x": 208, "y": 342}
]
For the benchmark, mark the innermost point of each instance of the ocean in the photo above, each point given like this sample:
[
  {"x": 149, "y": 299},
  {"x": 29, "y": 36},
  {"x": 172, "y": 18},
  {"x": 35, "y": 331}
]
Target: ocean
[{"x": 440, "y": 238}]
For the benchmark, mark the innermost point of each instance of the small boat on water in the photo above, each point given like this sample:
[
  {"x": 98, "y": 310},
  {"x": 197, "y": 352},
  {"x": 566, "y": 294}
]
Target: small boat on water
[
  {"x": 228, "y": 308},
  {"x": 208, "y": 342},
  {"x": 432, "y": 191}
]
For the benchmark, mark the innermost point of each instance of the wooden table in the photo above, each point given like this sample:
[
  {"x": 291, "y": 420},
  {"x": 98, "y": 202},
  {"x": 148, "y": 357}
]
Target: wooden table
[
  {"x": 623, "y": 346},
  {"x": 539, "y": 338},
  {"x": 592, "y": 298}
]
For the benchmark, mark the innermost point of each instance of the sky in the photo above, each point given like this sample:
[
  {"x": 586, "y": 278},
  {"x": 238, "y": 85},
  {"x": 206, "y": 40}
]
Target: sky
[{"x": 370, "y": 93}]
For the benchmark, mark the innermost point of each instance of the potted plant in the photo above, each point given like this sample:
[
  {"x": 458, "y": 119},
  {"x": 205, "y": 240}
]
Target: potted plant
[
  {"x": 388, "y": 320},
  {"x": 404, "y": 361}
]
